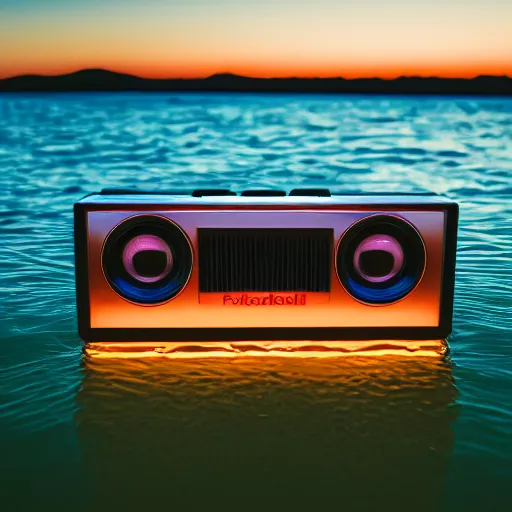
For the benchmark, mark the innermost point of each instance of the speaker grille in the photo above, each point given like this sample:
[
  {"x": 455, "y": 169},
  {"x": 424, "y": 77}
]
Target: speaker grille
[{"x": 265, "y": 260}]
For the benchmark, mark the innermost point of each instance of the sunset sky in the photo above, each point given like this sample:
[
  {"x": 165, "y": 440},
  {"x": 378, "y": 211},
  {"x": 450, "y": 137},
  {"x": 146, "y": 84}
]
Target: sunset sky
[{"x": 197, "y": 38}]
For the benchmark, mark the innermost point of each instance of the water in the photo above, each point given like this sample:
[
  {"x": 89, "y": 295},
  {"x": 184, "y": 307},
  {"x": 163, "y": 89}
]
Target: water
[{"x": 386, "y": 433}]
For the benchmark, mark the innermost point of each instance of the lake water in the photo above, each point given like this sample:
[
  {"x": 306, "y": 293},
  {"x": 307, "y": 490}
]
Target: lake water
[{"x": 377, "y": 434}]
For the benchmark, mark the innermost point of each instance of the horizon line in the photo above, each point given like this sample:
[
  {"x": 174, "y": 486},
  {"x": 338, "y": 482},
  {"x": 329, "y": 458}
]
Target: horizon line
[{"x": 230, "y": 73}]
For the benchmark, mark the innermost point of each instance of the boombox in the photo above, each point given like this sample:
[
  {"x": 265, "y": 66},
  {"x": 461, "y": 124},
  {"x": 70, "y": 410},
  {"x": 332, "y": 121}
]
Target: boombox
[{"x": 212, "y": 265}]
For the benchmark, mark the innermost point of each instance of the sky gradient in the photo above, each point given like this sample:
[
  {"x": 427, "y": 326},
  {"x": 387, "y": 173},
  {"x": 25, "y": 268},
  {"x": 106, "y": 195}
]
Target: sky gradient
[{"x": 265, "y": 38}]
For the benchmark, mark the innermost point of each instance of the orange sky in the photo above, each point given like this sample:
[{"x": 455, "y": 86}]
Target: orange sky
[{"x": 197, "y": 38}]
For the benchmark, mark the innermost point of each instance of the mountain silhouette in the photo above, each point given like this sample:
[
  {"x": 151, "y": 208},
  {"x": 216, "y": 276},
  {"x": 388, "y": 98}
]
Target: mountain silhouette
[{"x": 103, "y": 80}]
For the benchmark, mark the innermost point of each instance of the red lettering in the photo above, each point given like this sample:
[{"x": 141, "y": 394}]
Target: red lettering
[{"x": 297, "y": 299}]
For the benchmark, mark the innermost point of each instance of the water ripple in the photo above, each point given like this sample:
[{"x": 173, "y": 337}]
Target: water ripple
[{"x": 54, "y": 149}]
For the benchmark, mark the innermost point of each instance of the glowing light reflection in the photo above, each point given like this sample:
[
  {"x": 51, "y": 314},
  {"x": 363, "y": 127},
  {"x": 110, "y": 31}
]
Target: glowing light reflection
[{"x": 287, "y": 349}]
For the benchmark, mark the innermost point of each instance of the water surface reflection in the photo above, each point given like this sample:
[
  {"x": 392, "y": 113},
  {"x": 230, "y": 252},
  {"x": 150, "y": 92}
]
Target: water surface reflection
[{"x": 373, "y": 432}]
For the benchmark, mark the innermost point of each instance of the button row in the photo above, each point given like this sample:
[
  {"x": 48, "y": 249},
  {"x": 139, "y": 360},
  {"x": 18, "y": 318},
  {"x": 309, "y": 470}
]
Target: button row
[{"x": 304, "y": 192}]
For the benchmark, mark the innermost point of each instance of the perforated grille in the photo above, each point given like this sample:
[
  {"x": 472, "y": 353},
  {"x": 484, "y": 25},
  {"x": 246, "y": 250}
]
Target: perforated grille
[{"x": 265, "y": 260}]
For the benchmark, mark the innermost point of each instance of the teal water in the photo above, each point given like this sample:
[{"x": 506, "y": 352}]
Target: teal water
[{"x": 362, "y": 433}]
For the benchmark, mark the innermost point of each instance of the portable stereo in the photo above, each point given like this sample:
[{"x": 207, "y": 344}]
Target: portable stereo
[{"x": 213, "y": 265}]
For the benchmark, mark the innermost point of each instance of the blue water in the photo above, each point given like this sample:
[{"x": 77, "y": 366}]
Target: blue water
[{"x": 375, "y": 434}]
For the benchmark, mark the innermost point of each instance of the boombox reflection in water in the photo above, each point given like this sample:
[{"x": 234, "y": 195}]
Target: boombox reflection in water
[{"x": 373, "y": 431}]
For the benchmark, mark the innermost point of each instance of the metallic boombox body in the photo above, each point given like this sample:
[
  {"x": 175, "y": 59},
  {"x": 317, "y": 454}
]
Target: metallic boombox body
[{"x": 264, "y": 265}]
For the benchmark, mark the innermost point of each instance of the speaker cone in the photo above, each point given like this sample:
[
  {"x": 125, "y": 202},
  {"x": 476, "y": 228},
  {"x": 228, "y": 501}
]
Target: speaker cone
[
  {"x": 380, "y": 259},
  {"x": 147, "y": 259}
]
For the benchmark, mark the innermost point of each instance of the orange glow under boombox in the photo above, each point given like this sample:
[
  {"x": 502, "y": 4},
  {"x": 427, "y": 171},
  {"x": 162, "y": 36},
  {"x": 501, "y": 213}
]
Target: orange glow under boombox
[{"x": 264, "y": 265}]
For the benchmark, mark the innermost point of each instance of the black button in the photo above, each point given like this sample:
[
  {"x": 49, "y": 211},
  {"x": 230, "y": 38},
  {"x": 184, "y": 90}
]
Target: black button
[
  {"x": 212, "y": 192},
  {"x": 263, "y": 193},
  {"x": 311, "y": 192}
]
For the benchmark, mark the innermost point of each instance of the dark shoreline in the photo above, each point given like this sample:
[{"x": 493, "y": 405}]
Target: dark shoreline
[{"x": 106, "y": 81}]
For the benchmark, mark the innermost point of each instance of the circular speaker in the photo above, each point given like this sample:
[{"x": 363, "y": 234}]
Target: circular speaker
[
  {"x": 380, "y": 259},
  {"x": 147, "y": 259}
]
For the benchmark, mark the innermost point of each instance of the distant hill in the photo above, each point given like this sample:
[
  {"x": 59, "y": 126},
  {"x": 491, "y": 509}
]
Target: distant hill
[{"x": 102, "y": 80}]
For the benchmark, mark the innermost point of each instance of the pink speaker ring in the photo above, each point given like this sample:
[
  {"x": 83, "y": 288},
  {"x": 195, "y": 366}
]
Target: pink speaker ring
[
  {"x": 156, "y": 267},
  {"x": 378, "y": 258}
]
